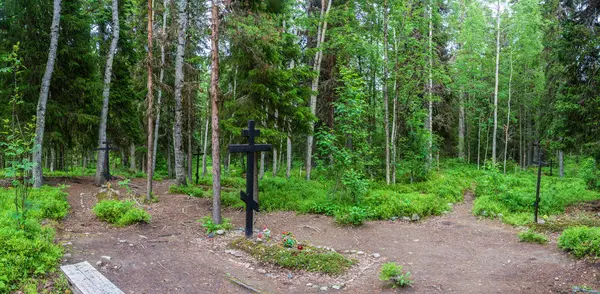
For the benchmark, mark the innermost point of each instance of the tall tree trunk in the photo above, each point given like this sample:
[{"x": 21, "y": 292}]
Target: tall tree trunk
[
  {"x": 521, "y": 136},
  {"x": 205, "y": 147},
  {"x": 169, "y": 160},
  {"x": 386, "y": 107},
  {"x": 508, "y": 113},
  {"x": 160, "y": 80},
  {"x": 288, "y": 170},
  {"x": 275, "y": 148},
  {"x": 190, "y": 141},
  {"x": 561, "y": 164},
  {"x": 430, "y": 90},
  {"x": 395, "y": 111},
  {"x": 150, "y": 111},
  {"x": 44, "y": 90},
  {"x": 132, "y": 166},
  {"x": 496, "y": 84},
  {"x": 180, "y": 174},
  {"x": 479, "y": 143},
  {"x": 322, "y": 29},
  {"x": 52, "y": 158},
  {"x": 214, "y": 97},
  {"x": 461, "y": 125},
  {"x": 106, "y": 91}
]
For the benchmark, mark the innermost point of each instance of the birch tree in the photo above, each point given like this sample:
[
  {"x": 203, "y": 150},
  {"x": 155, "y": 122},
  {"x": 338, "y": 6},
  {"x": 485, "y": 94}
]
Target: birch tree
[
  {"x": 321, "y": 30},
  {"x": 163, "y": 40},
  {"x": 150, "y": 109},
  {"x": 182, "y": 21},
  {"x": 44, "y": 91},
  {"x": 100, "y": 164},
  {"x": 496, "y": 85},
  {"x": 386, "y": 107},
  {"x": 214, "y": 99}
]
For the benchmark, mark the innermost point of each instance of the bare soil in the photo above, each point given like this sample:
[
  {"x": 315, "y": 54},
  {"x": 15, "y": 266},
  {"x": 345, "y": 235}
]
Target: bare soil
[{"x": 453, "y": 253}]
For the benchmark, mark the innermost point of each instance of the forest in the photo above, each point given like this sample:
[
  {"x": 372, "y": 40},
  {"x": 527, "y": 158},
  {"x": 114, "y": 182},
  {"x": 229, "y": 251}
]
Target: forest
[{"x": 375, "y": 110}]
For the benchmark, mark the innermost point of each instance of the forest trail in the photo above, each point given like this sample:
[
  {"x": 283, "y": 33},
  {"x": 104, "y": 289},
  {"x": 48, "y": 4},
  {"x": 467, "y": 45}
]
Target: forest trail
[{"x": 453, "y": 253}]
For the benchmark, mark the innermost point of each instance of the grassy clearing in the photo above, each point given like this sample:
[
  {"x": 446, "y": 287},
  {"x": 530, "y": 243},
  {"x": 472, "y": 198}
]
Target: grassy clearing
[
  {"x": 28, "y": 254},
  {"x": 120, "y": 213},
  {"x": 309, "y": 259}
]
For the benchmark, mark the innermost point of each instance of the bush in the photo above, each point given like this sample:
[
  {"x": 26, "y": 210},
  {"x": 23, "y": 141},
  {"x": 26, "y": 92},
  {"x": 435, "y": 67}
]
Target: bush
[
  {"x": 392, "y": 272},
  {"x": 354, "y": 216},
  {"x": 27, "y": 251},
  {"x": 210, "y": 227},
  {"x": 120, "y": 213},
  {"x": 589, "y": 173},
  {"x": 581, "y": 241},
  {"x": 309, "y": 259},
  {"x": 187, "y": 190},
  {"x": 532, "y": 237}
]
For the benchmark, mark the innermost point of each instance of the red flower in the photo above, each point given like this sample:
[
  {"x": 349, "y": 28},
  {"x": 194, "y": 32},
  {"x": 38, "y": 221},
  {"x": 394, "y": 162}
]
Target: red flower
[{"x": 300, "y": 247}]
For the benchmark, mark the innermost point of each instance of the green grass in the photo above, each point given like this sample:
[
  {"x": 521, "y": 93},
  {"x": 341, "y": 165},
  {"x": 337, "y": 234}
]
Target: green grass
[
  {"x": 28, "y": 254},
  {"x": 309, "y": 259},
  {"x": 120, "y": 213},
  {"x": 581, "y": 241},
  {"x": 532, "y": 237},
  {"x": 393, "y": 273}
]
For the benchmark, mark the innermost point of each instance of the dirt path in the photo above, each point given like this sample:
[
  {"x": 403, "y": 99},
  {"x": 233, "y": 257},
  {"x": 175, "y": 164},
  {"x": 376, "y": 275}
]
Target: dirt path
[{"x": 454, "y": 253}]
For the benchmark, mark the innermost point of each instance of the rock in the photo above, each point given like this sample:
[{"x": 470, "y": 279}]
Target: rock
[
  {"x": 376, "y": 255},
  {"x": 415, "y": 217},
  {"x": 67, "y": 244},
  {"x": 360, "y": 253},
  {"x": 556, "y": 279},
  {"x": 346, "y": 251},
  {"x": 210, "y": 235},
  {"x": 122, "y": 241},
  {"x": 352, "y": 251},
  {"x": 67, "y": 255},
  {"x": 130, "y": 245},
  {"x": 99, "y": 263},
  {"x": 406, "y": 218},
  {"x": 261, "y": 271},
  {"x": 337, "y": 287},
  {"x": 106, "y": 257},
  {"x": 143, "y": 237},
  {"x": 394, "y": 218},
  {"x": 290, "y": 276},
  {"x": 220, "y": 232},
  {"x": 541, "y": 221},
  {"x": 309, "y": 285},
  {"x": 324, "y": 288}
]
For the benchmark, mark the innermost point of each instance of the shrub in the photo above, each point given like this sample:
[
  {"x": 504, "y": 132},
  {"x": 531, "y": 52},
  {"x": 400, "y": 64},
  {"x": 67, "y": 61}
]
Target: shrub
[
  {"x": 353, "y": 216},
  {"x": 120, "y": 213},
  {"x": 532, "y": 237},
  {"x": 309, "y": 259},
  {"x": 589, "y": 173},
  {"x": 210, "y": 227},
  {"x": 187, "y": 190},
  {"x": 393, "y": 273},
  {"x": 581, "y": 241}
]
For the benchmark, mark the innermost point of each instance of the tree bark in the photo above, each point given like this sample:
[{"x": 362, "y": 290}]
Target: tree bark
[
  {"x": 150, "y": 110},
  {"x": 496, "y": 85},
  {"x": 395, "y": 111},
  {"x": 52, "y": 158},
  {"x": 43, "y": 99},
  {"x": 429, "y": 124},
  {"x": 479, "y": 143},
  {"x": 322, "y": 29},
  {"x": 205, "y": 147},
  {"x": 190, "y": 141},
  {"x": 132, "y": 166},
  {"x": 160, "y": 80},
  {"x": 561, "y": 164},
  {"x": 106, "y": 91},
  {"x": 180, "y": 174},
  {"x": 508, "y": 113},
  {"x": 288, "y": 171},
  {"x": 214, "y": 95},
  {"x": 386, "y": 107}
]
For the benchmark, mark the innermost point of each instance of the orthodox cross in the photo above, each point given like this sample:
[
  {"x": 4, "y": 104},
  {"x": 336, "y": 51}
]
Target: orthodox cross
[
  {"x": 250, "y": 197},
  {"x": 106, "y": 149},
  {"x": 540, "y": 162},
  {"x": 197, "y": 154}
]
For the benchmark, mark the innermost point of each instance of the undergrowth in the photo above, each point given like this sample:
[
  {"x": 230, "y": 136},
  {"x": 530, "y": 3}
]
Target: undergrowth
[
  {"x": 532, "y": 237},
  {"x": 310, "y": 259},
  {"x": 581, "y": 241},
  {"x": 392, "y": 272},
  {"x": 120, "y": 213},
  {"x": 28, "y": 253}
]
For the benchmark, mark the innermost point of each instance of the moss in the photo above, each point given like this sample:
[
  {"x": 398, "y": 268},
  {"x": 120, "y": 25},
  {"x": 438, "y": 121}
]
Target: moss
[{"x": 309, "y": 259}]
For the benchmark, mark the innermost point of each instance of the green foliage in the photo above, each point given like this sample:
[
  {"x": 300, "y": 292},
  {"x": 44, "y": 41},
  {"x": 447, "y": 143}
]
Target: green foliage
[
  {"x": 120, "y": 213},
  {"x": 353, "y": 216},
  {"x": 27, "y": 250},
  {"x": 125, "y": 183},
  {"x": 392, "y": 272},
  {"x": 581, "y": 241},
  {"x": 309, "y": 259},
  {"x": 210, "y": 227},
  {"x": 532, "y": 237},
  {"x": 589, "y": 173},
  {"x": 187, "y": 190}
]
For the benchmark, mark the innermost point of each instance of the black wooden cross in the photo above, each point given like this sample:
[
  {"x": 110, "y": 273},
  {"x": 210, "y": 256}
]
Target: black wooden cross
[
  {"x": 540, "y": 162},
  {"x": 197, "y": 154},
  {"x": 250, "y": 149},
  {"x": 106, "y": 149}
]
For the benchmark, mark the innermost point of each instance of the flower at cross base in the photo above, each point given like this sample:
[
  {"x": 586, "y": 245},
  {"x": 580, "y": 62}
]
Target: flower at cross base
[{"x": 288, "y": 240}]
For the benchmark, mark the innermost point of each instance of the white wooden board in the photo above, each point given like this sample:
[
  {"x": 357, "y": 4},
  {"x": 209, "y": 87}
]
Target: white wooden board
[{"x": 85, "y": 279}]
